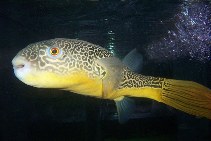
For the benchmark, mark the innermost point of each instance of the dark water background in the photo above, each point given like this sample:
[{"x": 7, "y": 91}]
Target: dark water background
[{"x": 28, "y": 113}]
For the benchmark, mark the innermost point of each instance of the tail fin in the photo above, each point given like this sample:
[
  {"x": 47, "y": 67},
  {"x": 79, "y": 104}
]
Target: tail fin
[{"x": 187, "y": 96}]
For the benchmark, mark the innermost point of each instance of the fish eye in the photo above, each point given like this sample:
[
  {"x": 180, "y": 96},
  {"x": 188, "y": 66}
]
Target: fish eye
[{"x": 54, "y": 52}]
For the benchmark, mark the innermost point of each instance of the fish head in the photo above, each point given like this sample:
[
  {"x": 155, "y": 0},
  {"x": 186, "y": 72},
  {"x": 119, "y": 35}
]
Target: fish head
[{"x": 45, "y": 64}]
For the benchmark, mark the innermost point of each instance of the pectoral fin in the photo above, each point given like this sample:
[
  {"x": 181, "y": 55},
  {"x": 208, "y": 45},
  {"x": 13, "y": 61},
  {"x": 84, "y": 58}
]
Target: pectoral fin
[
  {"x": 125, "y": 107},
  {"x": 113, "y": 67}
]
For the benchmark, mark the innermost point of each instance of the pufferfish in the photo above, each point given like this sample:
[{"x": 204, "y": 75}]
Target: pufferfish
[{"x": 88, "y": 69}]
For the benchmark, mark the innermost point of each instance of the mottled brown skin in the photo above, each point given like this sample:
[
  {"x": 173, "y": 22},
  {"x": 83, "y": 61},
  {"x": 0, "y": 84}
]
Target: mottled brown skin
[{"x": 76, "y": 55}]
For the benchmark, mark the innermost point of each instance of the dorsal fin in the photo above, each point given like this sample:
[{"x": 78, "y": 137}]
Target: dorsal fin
[{"x": 134, "y": 61}]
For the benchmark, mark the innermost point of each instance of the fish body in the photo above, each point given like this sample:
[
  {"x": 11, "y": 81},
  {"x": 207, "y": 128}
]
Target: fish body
[{"x": 88, "y": 69}]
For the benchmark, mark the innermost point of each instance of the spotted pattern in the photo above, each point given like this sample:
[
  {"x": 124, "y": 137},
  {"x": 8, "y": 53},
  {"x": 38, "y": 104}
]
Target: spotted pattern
[
  {"x": 81, "y": 55},
  {"x": 76, "y": 55},
  {"x": 133, "y": 80}
]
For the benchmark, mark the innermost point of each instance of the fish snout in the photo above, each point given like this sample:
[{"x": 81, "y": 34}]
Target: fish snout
[
  {"x": 22, "y": 68},
  {"x": 19, "y": 62}
]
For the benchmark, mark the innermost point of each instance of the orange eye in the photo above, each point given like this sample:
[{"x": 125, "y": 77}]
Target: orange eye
[{"x": 54, "y": 51}]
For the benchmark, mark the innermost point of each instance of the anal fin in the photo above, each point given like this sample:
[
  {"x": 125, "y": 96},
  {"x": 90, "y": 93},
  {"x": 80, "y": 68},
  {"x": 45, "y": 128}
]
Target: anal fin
[{"x": 125, "y": 107}]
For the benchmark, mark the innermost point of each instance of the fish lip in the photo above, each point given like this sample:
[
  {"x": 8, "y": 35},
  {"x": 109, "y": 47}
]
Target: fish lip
[{"x": 19, "y": 66}]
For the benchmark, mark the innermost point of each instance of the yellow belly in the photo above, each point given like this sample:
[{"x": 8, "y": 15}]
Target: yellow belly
[
  {"x": 78, "y": 82},
  {"x": 82, "y": 84}
]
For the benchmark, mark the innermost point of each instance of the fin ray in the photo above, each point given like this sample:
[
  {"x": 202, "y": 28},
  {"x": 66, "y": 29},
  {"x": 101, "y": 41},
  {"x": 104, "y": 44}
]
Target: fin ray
[
  {"x": 134, "y": 60},
  {"x": 125, "y": 107},
  {"x": 187, "y": 96},
  {"x": 113, "y": 67}
]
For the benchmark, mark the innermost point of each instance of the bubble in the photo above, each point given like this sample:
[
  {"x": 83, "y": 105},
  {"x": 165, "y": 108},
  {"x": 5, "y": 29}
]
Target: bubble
[{"x": 191, "y": 37}]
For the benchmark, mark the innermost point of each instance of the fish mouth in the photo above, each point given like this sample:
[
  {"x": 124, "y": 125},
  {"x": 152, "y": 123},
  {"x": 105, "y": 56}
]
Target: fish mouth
[
  {"x": 18, "y": 66},
  {"x": 24, "y": 70},
  {"x": 19, "y": 62},
  {"x": 22, "y": 67}
]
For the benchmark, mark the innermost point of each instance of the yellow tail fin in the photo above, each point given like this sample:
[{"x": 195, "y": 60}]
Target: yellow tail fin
[{"x": 187, "y": 96}]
